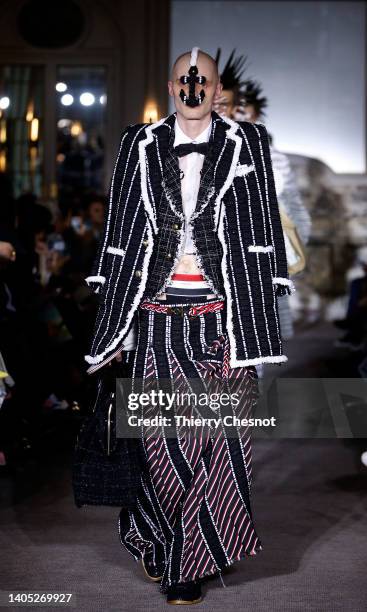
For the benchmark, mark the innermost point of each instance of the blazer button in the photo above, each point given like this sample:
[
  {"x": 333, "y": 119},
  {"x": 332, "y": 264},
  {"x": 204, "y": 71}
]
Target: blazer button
[
  {"x": 169, "y": 256},
  {"x": 146, "y": 243},
  {"x": 176, "y": 226},
  {"x": 138, "y": 273}
]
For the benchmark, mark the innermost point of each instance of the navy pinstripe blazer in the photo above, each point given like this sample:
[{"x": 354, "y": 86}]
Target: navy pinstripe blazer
[{"x": 247, "y": 222}]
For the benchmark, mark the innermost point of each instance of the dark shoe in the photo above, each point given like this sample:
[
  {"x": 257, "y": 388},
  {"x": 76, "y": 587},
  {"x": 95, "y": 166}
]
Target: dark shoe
[
  {"x": 184, "y": 593},
  {"x": 153, "y": 572}
]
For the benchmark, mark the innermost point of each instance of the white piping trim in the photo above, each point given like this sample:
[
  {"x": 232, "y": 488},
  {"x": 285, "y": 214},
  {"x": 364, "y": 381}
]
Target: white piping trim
[
  {"x": 227, "y": 287},
  {"x": 115, "y": 251},
  {"x": 239, "y": 363},
  {"x": 209, "y": 195},
  {"x": 95, "y": 279},
  {"x": 134, "y": 306},
  {"x": 257, "y": 184},
  {"x": 230, "y": 135},
  {"x": 119, "y": 261},
  {"x": 171, "y": 202},
  {"x": 278, "y": 280},
  {"x": 219, "y": 224},
  {"x": 143, "y": 171},
  {"x": 255, "y": 248},
  {"x": 268, "y": 177}
]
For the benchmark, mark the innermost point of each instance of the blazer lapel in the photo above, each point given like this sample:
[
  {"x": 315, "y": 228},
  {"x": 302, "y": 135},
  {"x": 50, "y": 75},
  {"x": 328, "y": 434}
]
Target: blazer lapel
[
  {"x": 153, "y": 150},
  {"x": 171, "y": 181},
  {"x": 220, "y": 165},
  {"x": 227, "y": 149}
]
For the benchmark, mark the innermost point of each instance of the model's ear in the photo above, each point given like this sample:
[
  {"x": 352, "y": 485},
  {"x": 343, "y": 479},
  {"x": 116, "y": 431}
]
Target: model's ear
[
  {"x": 218, "y": 89},
  {"x": 170, "y": 88}
]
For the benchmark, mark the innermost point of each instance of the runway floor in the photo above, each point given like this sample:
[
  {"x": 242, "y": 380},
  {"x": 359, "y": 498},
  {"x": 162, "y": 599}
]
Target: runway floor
[{"x": 310, "y": 511}]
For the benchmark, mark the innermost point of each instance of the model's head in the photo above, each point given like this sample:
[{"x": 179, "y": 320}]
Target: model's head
[
  {"x": 246, "y": 112},
  {"x": 225, "y": 103},
  {"x": 199, "y": 103},
  {"x": 231, "y": 78},
  {"x": 252, "y": 103}
]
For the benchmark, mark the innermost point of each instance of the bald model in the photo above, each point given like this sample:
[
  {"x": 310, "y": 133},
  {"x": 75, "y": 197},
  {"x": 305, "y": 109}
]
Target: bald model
[
  {"x": 205, "y": 62},
  {"x": 193, "y": 120},
  {"x": 187, "y": 203}
]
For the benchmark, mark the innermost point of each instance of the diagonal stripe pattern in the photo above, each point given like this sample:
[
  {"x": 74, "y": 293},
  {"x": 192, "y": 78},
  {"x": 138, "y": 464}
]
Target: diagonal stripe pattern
[{"x": 194, "y": 513}]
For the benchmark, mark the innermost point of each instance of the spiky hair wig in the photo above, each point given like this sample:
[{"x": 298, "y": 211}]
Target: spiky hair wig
[
  {"x": 251, "y": 94},
  {"x": 231, "y": 75}
]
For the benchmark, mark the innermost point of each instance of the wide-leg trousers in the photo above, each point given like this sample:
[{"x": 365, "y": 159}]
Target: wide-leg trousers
[{"x": 193, "y": 515}]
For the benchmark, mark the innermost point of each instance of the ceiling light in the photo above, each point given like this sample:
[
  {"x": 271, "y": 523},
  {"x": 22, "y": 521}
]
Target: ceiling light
[
  {"x": 4, "y": 102},
  {"x": 67, "y": 99},
  {"x": 87, "y": 98}
]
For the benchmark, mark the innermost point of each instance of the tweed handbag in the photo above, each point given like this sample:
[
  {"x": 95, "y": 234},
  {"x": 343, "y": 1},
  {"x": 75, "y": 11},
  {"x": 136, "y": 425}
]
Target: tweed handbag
[{"x": 106, "y": 469}]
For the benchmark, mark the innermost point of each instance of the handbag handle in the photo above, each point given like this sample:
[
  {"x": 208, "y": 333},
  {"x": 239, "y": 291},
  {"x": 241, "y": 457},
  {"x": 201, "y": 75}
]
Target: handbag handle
[{"x": 296, "y": 243}]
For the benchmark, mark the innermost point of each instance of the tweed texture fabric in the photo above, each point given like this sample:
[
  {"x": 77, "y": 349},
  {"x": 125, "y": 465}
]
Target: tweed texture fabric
[
  {"x": 171, "y": 218},
  {"x": 236, "y": 227},
  {"x": 105, "y": 467}
]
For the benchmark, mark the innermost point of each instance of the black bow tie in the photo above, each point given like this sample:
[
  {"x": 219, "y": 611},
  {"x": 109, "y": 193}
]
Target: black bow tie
[{"x": 192, "y": 147}]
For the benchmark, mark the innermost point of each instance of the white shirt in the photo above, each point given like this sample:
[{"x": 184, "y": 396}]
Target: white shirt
[{"x": 191, "y": 166}]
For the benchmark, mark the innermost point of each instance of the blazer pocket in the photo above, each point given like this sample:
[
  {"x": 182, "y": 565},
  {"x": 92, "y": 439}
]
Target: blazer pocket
[
  {"x": 115, "y": 251},
  {"x": 260, "y": 248},
  {"x": 260, "y": 268},
  {"x": 243, "y": 169}
]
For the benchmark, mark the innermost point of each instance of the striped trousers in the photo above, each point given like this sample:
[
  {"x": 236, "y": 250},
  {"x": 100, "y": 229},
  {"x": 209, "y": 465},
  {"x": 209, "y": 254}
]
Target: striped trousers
[{"x": 193, "y": 514}]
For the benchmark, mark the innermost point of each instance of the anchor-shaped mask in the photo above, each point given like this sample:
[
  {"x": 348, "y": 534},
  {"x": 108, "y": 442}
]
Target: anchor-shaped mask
[{"x": 192, "y": 99}]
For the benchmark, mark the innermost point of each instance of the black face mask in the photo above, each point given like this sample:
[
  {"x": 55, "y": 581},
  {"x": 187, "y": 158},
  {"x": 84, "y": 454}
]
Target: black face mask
[{"x": 192, "y": 100}]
